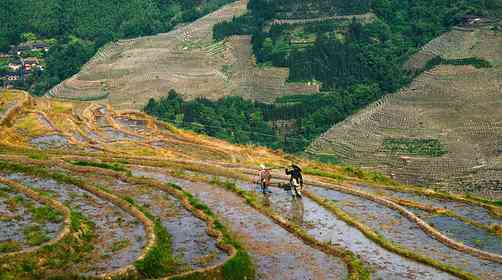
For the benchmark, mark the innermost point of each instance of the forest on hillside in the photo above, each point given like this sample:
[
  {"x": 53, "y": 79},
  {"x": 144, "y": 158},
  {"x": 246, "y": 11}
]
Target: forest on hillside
[
  {"x": 241, "y": 121},
  {"x": 77, "y": 29},
  {"x": 355, "y": 62}
]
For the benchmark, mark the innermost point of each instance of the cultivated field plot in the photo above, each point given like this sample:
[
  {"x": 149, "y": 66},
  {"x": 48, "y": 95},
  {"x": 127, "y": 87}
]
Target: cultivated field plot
[
  {"x": 444, "y": 128},
  {"x": 129, "y": 197},
  {"x": 129, "y": 72}
]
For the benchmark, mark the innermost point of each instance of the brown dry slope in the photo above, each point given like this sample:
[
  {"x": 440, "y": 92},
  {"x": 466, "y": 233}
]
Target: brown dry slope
[
  {"x": 129, "y": 72},
  {"x": 459, "y": 106}
]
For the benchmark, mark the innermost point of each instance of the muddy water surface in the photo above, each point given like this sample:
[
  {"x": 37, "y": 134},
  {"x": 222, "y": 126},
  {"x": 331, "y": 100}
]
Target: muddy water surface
[
  {"x": 190, "y": 241},
  {"x": 454, "y": 228},
  {"x": 326, "y": 226},
  {"x": 473, "y": 212},
  {"x": 116, "y": 135},
  {"x": 15, "y": 217},
  {"x": 112, "y": 225},
  {"x": 50, "y": 142},
  {"x": 277, "y": 253},
  {"x": 134, "y": 125},
  {"x": 400, "y": 230},
  {"x": 468, "y": 234}
]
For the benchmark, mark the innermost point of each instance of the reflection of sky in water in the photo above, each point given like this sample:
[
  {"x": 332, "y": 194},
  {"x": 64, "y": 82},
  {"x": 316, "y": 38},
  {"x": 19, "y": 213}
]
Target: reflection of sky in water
[
  {"x": 325, "y": 226},
  {"x": 468, "y": 234},
  {"x": 190, "y": 240},
  {"x": 473, "y": 212},
  {"x": 396, "y": 228},
  {"x": 290, "y": 258}
]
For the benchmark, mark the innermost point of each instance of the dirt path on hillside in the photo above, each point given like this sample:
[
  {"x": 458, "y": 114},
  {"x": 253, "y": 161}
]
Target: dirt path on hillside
[{"x": 277, "y": 253}]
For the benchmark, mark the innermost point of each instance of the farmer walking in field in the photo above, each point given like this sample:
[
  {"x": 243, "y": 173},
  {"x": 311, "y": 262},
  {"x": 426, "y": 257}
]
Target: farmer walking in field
[
  {"x": 264, "y": 177},
  {"x": 296, "y": 179}
]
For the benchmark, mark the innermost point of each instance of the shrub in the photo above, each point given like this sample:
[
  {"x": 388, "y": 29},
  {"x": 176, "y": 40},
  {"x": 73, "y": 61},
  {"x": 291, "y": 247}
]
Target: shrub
[{"x": 424, "y": 147}]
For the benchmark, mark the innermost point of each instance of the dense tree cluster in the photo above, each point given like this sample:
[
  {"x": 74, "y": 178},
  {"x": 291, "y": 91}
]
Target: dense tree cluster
[
  {"x": 243, "y": 121},
  {"x": 343, "y": 56},
  {"x": 356, "y": 63},
  {"x": 268, "y": 9},
  {"x": 80, "y": 27},
  {"x": 230, "y": 118}
]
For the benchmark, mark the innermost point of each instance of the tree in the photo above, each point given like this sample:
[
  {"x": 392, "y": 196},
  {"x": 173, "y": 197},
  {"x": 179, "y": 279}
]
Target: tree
[
  {"x": 4, "y": 43},
  {"x": 28, "y": 37}
]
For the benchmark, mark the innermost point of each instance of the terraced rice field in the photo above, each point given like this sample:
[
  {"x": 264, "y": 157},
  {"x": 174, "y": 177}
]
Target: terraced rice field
[
  {"x": 129, "y": 197},
  {"x": 24, "y": 221},
  {"x": 128, "y": 73},
  {"x": 457, "y": 106}
]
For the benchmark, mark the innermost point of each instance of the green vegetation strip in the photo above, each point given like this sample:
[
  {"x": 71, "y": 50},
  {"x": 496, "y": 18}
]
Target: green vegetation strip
[
  {"x": 159, "y": 261},
  {"x": 111, "y": 166},
  {"x": 85, "y": 98},
  {"x": 388, "y": 245},
  {"x": 473, "y": 61},
  {"x": 424, "y": 147},
  {"x": 357, "y": 269},
  {"x": 240, "y": 266},
  {"x": 350, "y": 172}
]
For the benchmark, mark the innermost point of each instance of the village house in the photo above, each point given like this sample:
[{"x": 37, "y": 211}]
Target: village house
[
  {"x": 11, "y": 77},
  {"x": 30, "y": 46},
  {"x": 40, "y": 46},
  {"x": 14, "y": 66},
  {"x": 474, "y": 20},
  {"x": 30, "y": 63}
]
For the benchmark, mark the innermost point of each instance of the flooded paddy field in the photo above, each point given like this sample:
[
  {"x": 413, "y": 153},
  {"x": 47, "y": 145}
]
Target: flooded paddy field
[
  {"x": 120, "y": 237},
  {"x": 25, "y": 222},
  {"x": 400, "y": 230},
  {"x": 191, "y": 244},
  {"x": 278, "y": 254}
]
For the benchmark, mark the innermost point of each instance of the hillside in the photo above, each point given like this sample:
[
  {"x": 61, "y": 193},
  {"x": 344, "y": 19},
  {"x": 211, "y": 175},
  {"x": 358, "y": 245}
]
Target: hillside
[
  {"x": 444, "y": 128},
  {"x": 128, "y": 73},
  {"x": 107, "y": 193}
]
